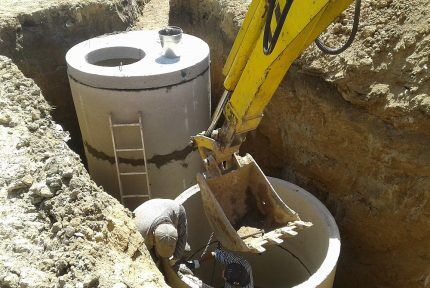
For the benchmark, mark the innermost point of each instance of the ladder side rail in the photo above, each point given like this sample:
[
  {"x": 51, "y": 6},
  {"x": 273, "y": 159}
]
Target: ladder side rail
[
  {"x": 116, "y": 160},
  {"x": 144, "y": 154}
]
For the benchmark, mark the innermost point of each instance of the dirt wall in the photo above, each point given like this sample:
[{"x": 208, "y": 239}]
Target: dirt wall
[
  {"x": 352, "y": 129},
  {"x": 57, "y": 228},
  {"x": 37, "y": 34}
]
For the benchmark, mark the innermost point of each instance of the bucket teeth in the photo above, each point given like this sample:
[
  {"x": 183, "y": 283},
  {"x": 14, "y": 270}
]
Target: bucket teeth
[
  {"x": 260, "y": 249},
  {"x": 256, "y": 243},
  {"x": 242, "y": 200},
  {"x": 288, "y": 231},
  {"x": 275, "y": 240},
  {"x": 276, "y": 237},
  {"x": 302, "y": 224},
  {"x": 257, "y": 248}
]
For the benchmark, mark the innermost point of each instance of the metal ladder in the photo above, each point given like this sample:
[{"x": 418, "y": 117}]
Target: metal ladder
[{"x": 116, "y": 150}]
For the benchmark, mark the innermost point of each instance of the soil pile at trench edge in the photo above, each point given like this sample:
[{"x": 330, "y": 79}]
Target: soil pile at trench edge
[{"x": 57, "y": 228}]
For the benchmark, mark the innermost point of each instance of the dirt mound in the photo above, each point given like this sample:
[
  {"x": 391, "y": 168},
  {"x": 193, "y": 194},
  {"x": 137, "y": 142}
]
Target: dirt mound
[
  {"x": 386, "y": 70},
  {"x": 57, "y": 228}
]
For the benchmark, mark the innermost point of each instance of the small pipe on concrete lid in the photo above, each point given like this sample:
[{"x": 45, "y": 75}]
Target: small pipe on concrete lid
[{"x": 170, "y": 37}]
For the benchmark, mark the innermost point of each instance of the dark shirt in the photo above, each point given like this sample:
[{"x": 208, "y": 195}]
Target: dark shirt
[{"x": 226, "y": 258}]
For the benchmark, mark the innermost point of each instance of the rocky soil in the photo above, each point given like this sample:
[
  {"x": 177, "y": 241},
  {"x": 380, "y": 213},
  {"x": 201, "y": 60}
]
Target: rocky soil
[
  {"x": 57, "y": 228},
  {"x": 353, "y": 129},
  {"x": 155, "y": 15}
]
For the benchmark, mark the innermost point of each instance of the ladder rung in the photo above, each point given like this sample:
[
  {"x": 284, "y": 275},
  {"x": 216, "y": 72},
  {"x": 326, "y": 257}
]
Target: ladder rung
[
  {"x": 129, "y": 149},
  {"x": 132, "y": 173},
  {"x": 141, "y": 148},
  {"x": 126, "y": 125}
]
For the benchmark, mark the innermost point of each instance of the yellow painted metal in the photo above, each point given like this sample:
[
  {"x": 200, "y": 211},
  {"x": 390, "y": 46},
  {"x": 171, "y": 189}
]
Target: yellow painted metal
[
  {"x": 244, "y": 43},
  {"x": 205, "y": 143},
  {"x": 208, "y": 146},
  {"x": 263, "y": 73}
]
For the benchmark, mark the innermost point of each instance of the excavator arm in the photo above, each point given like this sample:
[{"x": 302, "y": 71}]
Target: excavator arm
[{"x": 236, "y": 195}]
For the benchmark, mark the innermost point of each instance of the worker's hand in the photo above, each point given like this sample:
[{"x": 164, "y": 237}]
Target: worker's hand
[
  {"x": 172, "y": 261},
  {"x": 192, "y": 264}
]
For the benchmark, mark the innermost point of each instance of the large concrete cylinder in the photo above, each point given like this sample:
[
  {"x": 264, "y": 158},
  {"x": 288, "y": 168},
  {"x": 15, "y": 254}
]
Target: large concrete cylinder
[
  {"x": 126, "y": 75},
  {"x": 307, "y": 260}
]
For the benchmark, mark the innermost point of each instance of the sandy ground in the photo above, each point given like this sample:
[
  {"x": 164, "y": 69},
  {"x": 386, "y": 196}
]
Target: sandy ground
[
  {"x": 57, "y": 228},
  {"x": 155, "y": 15}
]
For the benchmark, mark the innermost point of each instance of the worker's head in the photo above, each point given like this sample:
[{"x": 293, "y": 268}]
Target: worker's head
[
  {"x": 165, "y": 237},
  {"x": 236, "y": 275}
]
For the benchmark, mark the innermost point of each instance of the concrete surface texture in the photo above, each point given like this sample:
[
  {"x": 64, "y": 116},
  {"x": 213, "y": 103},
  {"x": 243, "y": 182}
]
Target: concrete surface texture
[
  {"x": 352, "y": 129},
  {"x": 148, "y": 70},
  {"x": 316, "y": 249}
]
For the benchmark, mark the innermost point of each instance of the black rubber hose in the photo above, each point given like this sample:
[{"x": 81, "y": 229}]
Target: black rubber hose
[
  {"x": 269, "y": 40},
  {"x": 335, "y": 51}
]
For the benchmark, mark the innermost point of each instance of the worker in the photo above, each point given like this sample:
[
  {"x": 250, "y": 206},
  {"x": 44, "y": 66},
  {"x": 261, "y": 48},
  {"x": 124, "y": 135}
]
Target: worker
[
  {"x": 163, "y": 225},
  {"x": 237, "y": 271}
]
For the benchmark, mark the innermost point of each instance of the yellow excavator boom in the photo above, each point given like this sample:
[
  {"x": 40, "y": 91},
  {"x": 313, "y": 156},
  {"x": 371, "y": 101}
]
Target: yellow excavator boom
[
  {"x": 273, "y": 34},
  {"x": 254, "y": 76}
]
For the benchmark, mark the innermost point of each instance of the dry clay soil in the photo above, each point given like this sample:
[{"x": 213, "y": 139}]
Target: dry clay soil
[{"x": 57, "y": 227}]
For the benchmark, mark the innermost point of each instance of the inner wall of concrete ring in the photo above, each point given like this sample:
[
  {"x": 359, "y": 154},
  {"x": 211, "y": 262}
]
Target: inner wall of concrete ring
[
  {"x": 315, "y": 249},
  {"x": 170, "y": 115}
]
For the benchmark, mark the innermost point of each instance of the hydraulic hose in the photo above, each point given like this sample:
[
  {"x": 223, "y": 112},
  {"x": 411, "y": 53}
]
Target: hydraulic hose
[
  {"x": 269, "y": 39},
  {"x": 335, "y": 51}
]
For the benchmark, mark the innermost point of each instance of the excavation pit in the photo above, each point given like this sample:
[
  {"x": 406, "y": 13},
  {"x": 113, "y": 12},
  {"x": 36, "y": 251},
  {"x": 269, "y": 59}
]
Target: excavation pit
[
  {"x": 354, "y": 132},
  {"x": 306, "y": 260}
]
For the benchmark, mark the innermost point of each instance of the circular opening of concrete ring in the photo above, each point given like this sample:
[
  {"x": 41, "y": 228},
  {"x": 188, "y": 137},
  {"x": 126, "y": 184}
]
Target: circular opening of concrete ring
[{"x": 115, "y": 56}]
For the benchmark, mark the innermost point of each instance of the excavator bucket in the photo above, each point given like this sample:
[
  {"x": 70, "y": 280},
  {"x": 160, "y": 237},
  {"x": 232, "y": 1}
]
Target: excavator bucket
[{"x": 244, "y": 210}]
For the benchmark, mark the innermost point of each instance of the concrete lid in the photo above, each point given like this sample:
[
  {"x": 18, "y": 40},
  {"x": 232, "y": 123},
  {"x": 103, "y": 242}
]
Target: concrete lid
[{"x": 151, "y": 69}]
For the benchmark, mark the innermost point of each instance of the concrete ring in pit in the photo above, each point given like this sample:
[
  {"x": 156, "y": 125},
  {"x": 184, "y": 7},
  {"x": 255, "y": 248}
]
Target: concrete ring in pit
[{"x": 306, "y": 260}]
